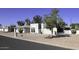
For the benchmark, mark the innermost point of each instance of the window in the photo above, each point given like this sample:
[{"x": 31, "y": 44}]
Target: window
[{"x": 32, "y": 29}]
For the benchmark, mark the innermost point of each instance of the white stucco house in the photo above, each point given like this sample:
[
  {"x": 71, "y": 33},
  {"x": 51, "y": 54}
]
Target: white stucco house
[{"x": 34, "y": 28}]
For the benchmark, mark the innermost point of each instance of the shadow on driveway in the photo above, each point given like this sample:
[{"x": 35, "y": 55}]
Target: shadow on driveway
[{"x": 7, "y": 43}]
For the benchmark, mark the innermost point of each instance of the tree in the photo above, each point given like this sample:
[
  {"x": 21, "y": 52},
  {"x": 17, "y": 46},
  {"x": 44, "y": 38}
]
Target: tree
[
  {"x": 60, "y": 22},
  {"x": 72, "y": 26},
  {"x": 54, "y": 19},
  {"x": 75, "y": 26},
  {"x": 37, "y": 19},
  {"x": 54, "y": 12},
  {"x": 0, "y": 25},
  {"x": 27, "y": 21},
  {"x": 50, "y": 22},
  {"x": 21, "y": 23}
]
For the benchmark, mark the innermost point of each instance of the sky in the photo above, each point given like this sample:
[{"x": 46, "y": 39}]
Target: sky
[{"x": 10, "y": 16}]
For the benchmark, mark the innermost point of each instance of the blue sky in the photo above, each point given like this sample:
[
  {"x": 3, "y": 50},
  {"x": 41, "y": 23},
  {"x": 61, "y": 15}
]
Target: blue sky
[{"x": 12, "y": 15}]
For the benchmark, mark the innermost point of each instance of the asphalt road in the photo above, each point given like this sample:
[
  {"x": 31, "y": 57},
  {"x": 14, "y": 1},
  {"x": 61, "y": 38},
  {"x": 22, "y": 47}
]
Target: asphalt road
[{"x": 7, "y": 43}]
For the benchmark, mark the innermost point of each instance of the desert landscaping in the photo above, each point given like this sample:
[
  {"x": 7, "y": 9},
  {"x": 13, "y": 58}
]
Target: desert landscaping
[{"x": 71, "y": 42}]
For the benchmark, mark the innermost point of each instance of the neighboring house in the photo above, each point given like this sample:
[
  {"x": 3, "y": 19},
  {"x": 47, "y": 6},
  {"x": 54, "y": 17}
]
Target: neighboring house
[
  {"x": 4, "y": 29},
  {"x": 67, "y": 30},
  {"x": 1, "y": 28}
]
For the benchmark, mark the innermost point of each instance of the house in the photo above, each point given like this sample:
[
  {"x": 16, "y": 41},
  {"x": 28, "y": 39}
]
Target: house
[
  {"x": 33, "y": 28},
  {"x": 4, "y": 29},
  {"x": 41, "y": 28}
]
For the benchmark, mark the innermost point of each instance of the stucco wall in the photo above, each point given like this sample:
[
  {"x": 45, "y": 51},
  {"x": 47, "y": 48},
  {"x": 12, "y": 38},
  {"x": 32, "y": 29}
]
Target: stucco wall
[
  {"x": 35, "y": 26},
  {"x": 5, "y": 30},
  {"x": 67, "y": 32},
  {"x": 77, "y": 31}
]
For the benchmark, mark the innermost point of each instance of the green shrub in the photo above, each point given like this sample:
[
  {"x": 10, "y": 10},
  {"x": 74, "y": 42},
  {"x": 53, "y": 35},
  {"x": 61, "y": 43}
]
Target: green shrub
[{"x": 20, "y": 30}]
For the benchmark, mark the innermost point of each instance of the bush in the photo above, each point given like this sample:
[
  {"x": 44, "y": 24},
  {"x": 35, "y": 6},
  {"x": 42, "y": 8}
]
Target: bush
[
  {"x": 74, "y": 31},
  {"x": 20, "y": 30}
]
